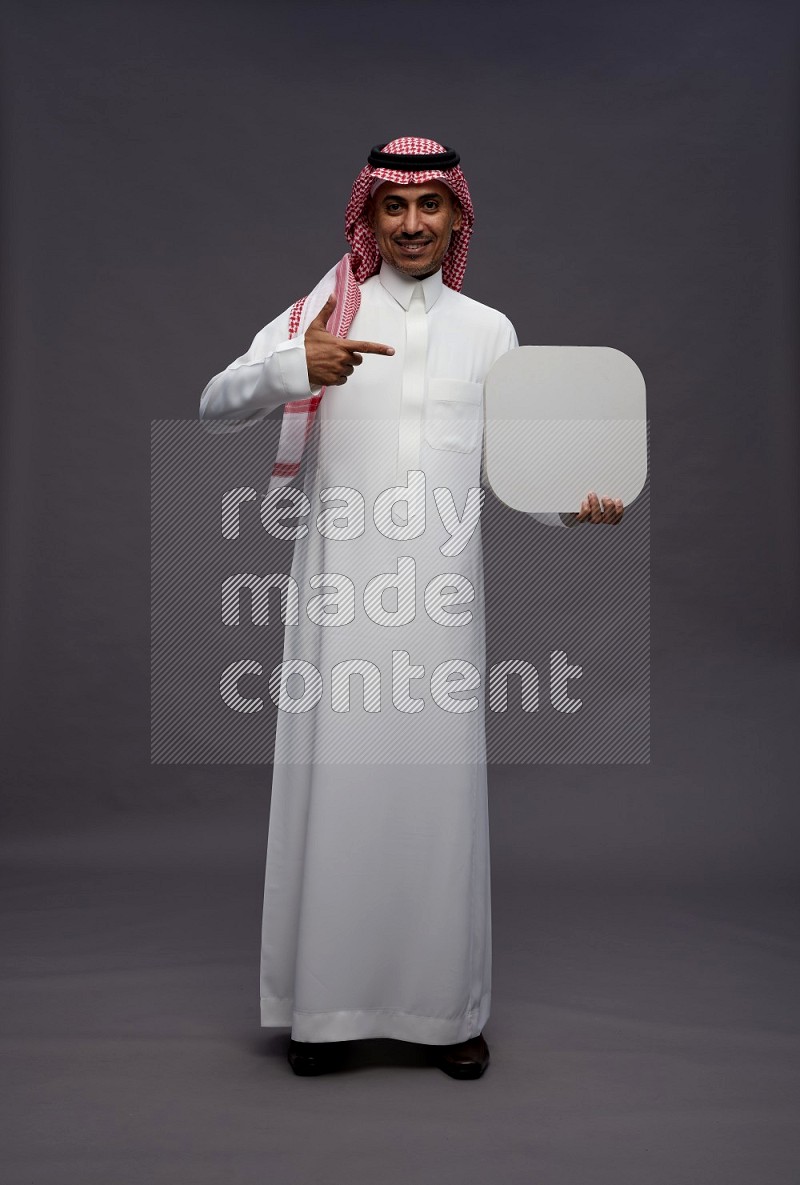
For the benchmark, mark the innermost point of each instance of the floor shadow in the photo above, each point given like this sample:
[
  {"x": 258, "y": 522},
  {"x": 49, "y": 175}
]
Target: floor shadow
[
  {"x": 362, "y": 1055},
  {"x": 357, "y": 1055}
]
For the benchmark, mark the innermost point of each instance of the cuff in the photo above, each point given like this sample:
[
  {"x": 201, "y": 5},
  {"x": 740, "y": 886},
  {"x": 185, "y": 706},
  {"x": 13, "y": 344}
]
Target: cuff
[
  {"x": 552, "y": 519},
  {"x": 291, "y": 357}
]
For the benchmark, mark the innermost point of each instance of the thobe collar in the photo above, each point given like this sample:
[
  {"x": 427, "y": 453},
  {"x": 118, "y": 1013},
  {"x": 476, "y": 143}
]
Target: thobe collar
[{"x": 402, "y": 287}]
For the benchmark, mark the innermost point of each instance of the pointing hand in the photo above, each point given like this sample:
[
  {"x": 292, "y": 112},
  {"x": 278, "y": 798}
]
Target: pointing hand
[{"x": 331, "y": 360}]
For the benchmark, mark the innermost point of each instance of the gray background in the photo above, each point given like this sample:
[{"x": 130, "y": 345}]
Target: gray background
[{"x": 173, "y": 175}]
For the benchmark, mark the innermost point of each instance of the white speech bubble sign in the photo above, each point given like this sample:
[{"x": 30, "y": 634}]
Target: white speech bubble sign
[{"x": 564, "y": 420}]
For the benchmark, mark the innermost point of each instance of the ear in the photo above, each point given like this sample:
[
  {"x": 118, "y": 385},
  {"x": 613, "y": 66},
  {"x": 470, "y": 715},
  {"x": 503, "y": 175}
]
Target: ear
[
  {"x": 457, "y": 215},
  {"x": 369, "y": 212}
]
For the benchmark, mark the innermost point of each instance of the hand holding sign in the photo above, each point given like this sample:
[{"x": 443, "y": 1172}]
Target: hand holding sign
[{"x": 597, "y": 510}]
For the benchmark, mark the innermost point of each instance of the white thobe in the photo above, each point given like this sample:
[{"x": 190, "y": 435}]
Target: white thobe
[{"x": 376, "y": 919}]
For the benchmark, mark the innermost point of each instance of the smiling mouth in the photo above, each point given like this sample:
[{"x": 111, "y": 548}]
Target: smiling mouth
[{"x": 415, "y": 248}]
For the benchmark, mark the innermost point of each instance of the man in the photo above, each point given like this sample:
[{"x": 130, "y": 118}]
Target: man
[{"x": 376, "y": 915}]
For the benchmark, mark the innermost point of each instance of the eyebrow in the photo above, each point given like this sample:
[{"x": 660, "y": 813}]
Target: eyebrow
[{"x": 424, "y": 197}]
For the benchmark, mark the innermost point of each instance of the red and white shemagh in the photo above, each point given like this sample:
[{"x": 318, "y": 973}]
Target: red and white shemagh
[{"x": 363, "y": 261}]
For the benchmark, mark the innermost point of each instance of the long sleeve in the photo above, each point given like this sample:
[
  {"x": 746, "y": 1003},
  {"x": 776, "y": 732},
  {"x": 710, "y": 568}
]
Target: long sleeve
[{"x": 272, "y": 372}]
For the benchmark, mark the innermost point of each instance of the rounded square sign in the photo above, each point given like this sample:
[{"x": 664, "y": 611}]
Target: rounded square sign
[{"x": 564, "y": 420}]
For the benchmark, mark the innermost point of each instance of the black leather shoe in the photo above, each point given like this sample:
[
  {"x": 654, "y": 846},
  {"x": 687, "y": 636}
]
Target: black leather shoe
[
  {"x": 308, "y": 1058},
  {"x": 467, "y": 1059}
]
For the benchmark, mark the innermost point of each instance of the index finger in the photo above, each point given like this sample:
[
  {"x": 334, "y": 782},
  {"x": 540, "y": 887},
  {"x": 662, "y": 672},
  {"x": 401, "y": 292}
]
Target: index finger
[{"x": 367, "y": 347}]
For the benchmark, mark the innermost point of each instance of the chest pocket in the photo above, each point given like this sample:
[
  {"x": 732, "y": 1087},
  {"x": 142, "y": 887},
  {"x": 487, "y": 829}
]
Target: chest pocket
[{"x": 454, "y": 415}]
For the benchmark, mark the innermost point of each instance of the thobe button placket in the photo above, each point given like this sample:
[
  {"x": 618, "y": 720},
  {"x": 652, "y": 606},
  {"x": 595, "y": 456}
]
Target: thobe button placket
[{"x": 412, "y": 397}]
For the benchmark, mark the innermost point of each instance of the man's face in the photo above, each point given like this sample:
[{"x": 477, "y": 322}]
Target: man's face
[{"x": 412, "y": 225}]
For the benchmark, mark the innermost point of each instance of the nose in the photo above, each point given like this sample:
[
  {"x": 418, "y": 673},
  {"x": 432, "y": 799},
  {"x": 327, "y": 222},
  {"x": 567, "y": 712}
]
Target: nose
[{"x": 412, "y": 224}]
